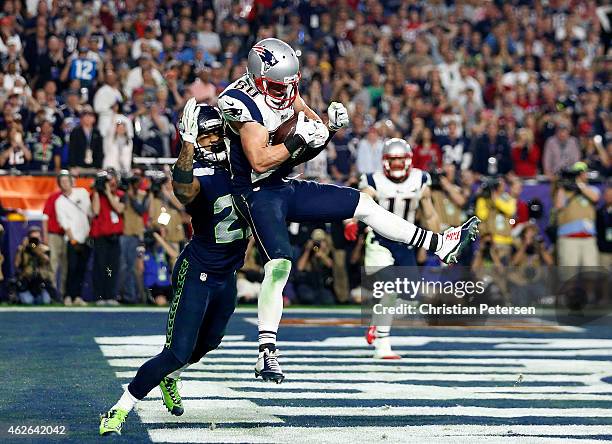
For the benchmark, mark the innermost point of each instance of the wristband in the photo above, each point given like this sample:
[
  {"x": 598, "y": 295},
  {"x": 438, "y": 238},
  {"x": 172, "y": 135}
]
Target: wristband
[
  {"x": 182, "y": 176},
  {"x": 294, "y": 143}
]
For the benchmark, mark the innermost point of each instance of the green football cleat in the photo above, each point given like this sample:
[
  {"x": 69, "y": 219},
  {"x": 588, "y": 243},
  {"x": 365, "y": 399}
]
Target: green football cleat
[
  {"x": 112, "y": 422},
  {"x": 171, "y": 396}
]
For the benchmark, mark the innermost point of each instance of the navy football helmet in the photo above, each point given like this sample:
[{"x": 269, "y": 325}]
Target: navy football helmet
[{"x": 210, "y": 144}]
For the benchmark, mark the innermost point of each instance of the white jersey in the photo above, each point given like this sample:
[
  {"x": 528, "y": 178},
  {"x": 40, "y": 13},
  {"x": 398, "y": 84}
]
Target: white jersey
[
  {"x": 242, "y": 102},
  {"x": 400, "y": 198}
]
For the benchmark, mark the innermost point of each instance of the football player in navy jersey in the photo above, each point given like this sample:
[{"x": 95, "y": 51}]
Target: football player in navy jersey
[
  {"x": 255, "y": 106},
  {"x": 204, "y": 277}
]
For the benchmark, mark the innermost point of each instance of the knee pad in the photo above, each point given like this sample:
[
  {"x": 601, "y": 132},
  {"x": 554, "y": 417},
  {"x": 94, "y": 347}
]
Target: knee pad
[
  {"x": 364, "y": 206},
  {"x": 278, "y": 270}
]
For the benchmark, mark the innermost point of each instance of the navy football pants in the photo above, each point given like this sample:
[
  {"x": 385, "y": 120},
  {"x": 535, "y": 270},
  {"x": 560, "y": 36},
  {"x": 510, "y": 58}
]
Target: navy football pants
[
  {"x": 201, "y": 308},
  {"x": 267, "y": 209}
]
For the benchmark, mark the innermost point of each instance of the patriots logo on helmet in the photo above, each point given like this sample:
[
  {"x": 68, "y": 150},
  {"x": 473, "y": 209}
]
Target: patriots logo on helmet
[{"x": 266, "y": 57}]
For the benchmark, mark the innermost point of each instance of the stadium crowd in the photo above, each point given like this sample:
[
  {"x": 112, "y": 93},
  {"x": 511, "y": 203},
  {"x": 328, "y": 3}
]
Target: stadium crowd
[{"x": 488, "y": 94}]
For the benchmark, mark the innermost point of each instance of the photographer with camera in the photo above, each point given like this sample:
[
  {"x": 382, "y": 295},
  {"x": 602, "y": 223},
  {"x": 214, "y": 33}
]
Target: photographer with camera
[
  {"x": 314, "y": 271},
  {"x": 574, "y": 215},
  {"x": 73, "y": 210},
  {"x": 157, "y": 257},
  {"x": 530, "y": 260},
  {"x": 496, "y": 209},
  {"x": 106, "y": 227},
  {"x": 166, "y": 211},
  {"x": 136, "y": 202},
  {"x": 446, "y": 196},
  {"x": 33, "y": 269}
]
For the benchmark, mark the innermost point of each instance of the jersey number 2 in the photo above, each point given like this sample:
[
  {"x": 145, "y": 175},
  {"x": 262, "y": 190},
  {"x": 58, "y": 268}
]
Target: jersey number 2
[{"x": 223, "y": 233}]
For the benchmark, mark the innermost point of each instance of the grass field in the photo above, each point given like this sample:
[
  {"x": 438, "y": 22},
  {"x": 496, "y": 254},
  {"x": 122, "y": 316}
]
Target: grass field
[{"x": 66, "y": 366}]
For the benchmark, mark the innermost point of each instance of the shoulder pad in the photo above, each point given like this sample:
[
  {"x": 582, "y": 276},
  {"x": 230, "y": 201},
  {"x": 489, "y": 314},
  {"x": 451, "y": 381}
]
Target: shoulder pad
[{"x": 238, "y": 106}]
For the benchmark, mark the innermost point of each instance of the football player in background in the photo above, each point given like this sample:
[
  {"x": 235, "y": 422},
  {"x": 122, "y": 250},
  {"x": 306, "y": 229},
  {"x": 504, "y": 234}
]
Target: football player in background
[
  {"x": 255, "y": 106},
  {"x": 204, "y": 278},
  {"x": 402, "y": 190}
]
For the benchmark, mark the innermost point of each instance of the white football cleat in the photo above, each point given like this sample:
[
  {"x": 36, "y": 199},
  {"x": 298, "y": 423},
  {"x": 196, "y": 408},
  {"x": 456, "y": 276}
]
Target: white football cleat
[
  {"x": 383, "y": 349},
  {"x": 455, "y": 239}
]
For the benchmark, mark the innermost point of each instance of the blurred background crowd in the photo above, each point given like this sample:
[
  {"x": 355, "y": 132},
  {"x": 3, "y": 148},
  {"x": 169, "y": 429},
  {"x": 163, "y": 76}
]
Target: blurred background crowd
[{"x": 493, "y": 97}]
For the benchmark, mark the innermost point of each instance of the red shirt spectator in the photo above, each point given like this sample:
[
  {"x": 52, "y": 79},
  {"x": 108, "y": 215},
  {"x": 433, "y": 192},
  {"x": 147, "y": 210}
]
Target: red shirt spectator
[
  {"x": 427, "y": 155},
  {"x": 53, "y": 225},
  {"x": 107, "y": 222},
  {"x": 525, "y": 154}
]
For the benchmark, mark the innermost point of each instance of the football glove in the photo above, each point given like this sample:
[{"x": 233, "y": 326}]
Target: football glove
[
  {"x": 306, "y": 128},
  {"x": 320, "y": 136},
  {"x": 338, "y": 116},
  {"x": 188, "y": 126}
]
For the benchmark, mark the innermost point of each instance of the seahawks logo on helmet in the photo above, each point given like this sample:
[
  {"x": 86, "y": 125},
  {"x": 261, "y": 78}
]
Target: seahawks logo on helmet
[{"x": 266, "y": 57}]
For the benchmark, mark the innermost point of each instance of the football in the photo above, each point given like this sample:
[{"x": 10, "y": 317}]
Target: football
[{"x": 286, "y": 129}]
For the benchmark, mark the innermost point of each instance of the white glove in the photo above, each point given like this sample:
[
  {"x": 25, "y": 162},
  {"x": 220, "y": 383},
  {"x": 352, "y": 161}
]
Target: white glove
[
  {"x": 188, "y": 126},
  {"x": 338, "y": 116},
  {"x": 306, "y": 128},
  {"x": 321, "y": 135}
]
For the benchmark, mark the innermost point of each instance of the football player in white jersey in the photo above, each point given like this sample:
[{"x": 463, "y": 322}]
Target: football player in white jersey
[
  {"x": 401, "y": 189},
  {"x": 254, "y": 106}
]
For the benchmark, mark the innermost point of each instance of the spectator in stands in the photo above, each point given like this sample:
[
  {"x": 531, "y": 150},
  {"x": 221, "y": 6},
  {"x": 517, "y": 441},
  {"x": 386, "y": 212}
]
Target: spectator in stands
[
  {"x": 525, "y": 154},
  {"x": 33, "y": 269},
  {"x": 314, "y": 271},
  {"x": 106, "y": 227},
  {"x": 561, "y": 150},
  {"x": 575, "y": 204},
  {"x": 152, "y": 129},
  {"x": 14, "y": 154},
  {"x": 492, "y": 152},
  {"x": 455, "y": 148},
  {"x": 341, "y": 155},
  {"x": 73, "y": 210},
  {"x": 118, "y": 145},
  {"x": 46, "y": 148},
  {"x": 136, "y": 203},
  {"x": 85, "y": 146},
  {"x": 369, "y": 152},
  {"x": 604, "y": 229},
  {"x": 427, "y": 154},
  {"x": 105, "y": 100}
]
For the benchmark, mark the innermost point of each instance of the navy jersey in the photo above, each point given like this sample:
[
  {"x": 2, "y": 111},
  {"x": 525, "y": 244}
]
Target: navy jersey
[
  {"x": 220, "y": 236},
  {"x": 242, "y": 102}
]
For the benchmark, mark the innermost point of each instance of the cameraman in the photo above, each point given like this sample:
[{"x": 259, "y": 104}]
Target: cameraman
[
  {"x": 136, "y": 203},
  {"x": 33, "y": 267},
  {"x": 575, "y": 206},
  {"x": 446, "y": 197},
  {"x": 496, "y": 208},
  {"x": 314, "y": 271},
  {"x": 106, "y": 227},
  {"x": 166, "y": 211},
  {"x": 530, "y": 260}
]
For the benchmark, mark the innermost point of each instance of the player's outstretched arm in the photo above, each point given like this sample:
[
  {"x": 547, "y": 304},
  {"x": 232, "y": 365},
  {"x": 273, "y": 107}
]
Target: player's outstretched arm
[{"x": 185, "y": 186}]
